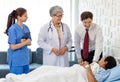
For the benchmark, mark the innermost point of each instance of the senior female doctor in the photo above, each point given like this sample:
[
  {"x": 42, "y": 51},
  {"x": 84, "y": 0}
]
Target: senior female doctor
[{"x": 55, "y": 39}]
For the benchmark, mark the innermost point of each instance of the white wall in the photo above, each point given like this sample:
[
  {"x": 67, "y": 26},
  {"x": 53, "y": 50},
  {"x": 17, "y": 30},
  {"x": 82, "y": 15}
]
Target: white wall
[{"x": 38, "y": 15}]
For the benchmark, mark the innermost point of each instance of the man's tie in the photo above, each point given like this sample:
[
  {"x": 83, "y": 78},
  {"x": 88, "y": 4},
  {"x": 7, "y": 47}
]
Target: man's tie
[{"x": 86, "y": 45}]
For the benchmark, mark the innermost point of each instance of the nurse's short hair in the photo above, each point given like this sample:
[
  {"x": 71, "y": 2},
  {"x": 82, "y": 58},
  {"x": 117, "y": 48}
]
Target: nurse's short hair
[{"x": 54, "y": 10}]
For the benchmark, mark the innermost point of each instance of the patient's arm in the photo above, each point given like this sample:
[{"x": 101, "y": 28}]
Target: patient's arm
[{"x": 90, "y": 75}]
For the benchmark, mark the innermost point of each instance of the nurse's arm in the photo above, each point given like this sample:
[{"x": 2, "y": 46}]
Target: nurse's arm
[
  {"x": 28, "y": 42},
  {"x": 19, "y": 45}
]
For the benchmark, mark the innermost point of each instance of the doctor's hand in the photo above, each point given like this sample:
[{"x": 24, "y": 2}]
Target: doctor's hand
[
  {"x": 55, "y": 51},
  {"x": 85, "y": 64},
  {"x": 63, "y": 50},
  {"x": 80, "y": 61}
]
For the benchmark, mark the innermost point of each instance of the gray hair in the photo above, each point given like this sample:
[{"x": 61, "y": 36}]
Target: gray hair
[{"x": 55, "y": 9}]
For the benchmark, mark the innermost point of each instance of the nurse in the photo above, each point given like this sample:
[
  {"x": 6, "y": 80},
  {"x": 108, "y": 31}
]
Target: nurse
[
  {"x": 18, "y": 39},
  {"x": 55, "y": 39}
]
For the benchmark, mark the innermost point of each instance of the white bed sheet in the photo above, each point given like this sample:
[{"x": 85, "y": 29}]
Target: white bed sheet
[{"x": 75, "y": 73}]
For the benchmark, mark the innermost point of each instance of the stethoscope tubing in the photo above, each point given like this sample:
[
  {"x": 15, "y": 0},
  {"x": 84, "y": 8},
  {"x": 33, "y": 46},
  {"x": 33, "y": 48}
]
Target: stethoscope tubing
[{"x": 52, "y": 29}]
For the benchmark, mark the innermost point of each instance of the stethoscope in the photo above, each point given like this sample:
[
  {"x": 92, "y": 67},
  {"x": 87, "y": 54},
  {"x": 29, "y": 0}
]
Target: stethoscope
[
  {"x": 50, "y": 33},
  {"x": 50, "y": 28}
]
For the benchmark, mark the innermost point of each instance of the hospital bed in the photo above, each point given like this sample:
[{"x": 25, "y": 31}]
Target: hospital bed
[{"x": 75, "y": 73}]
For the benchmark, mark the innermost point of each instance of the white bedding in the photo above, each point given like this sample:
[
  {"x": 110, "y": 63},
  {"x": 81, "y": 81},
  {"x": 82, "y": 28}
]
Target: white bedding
[{"x": 75, "y": 73}]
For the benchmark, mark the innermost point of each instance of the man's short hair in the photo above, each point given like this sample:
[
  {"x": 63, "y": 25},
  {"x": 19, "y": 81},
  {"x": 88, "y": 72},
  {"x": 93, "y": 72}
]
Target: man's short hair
[{"x": 86, "y": 15}]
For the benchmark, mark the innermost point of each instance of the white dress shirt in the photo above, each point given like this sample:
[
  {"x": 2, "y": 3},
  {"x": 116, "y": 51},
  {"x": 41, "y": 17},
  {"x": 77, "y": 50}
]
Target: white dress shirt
[{"x": 95, "y": 40}]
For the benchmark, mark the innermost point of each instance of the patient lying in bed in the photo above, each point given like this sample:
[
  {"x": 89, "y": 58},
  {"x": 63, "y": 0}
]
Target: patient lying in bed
[
  {"x": 106, "y": 64},
  {"x": 77, "y": 73}
]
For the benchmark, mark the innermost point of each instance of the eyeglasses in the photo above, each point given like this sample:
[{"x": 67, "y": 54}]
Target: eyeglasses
[{"x": 59, "y": 15}]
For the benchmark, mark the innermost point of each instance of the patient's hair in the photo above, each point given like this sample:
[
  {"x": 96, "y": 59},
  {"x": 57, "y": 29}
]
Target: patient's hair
[{"x": 111, "y": 62}]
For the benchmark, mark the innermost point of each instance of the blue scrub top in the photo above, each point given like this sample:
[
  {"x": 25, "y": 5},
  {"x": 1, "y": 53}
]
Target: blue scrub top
[{"x": 18, "y": 57}]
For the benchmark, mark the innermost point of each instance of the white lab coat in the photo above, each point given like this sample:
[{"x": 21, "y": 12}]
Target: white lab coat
[{"x": 48, "y": 39}]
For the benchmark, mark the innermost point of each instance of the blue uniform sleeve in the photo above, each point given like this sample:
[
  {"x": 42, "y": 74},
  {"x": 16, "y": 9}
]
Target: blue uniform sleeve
[{"x": 12, "y": 36}]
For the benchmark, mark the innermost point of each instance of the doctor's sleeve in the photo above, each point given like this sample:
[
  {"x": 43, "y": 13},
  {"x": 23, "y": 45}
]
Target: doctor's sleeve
[
  {"x": 69, "y": 39},
  {"x": 77, "y": 44},
  {"x": 98, "y": 44},
  {"x": 41, "y": 40}
]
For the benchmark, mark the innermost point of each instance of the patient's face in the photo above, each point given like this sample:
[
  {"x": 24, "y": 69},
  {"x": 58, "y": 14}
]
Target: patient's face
[{"x": 102, "y": 62}]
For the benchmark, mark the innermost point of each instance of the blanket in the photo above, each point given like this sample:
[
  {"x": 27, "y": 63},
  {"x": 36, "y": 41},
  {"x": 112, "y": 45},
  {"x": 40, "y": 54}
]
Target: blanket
[{"x": 75, "y": 73}]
